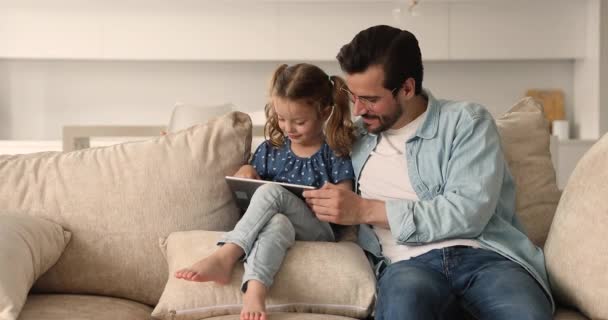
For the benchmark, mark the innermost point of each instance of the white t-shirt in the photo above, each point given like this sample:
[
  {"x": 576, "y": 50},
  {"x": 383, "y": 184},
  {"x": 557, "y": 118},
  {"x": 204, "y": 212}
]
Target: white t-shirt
[{"x": 385, "y": 177}]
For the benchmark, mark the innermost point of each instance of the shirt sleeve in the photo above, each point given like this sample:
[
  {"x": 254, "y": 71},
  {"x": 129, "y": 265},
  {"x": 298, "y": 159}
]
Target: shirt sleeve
[
  {"x": 341, "y": 169},
  {"x": 259, "y": 161},
  {"x": 469, "y": 198}
]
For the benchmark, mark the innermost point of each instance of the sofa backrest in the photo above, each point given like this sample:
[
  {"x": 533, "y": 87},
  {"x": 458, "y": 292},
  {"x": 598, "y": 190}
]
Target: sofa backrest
[
  {"x": 576, "y": 250},
  {"x": 117, "y": 201}
]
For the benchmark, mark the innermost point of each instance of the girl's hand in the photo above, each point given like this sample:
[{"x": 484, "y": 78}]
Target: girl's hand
[{"x": 247, "y": 171}]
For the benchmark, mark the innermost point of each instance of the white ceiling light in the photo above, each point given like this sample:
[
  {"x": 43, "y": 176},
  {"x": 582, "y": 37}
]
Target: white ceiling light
[{"x": 405, "y": 7}]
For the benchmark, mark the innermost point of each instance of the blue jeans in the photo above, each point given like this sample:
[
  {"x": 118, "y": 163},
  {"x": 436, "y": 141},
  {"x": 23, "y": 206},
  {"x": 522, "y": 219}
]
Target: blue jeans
[
  {"x": 446, "y": 283},
  {"x": 273, "y": 221}
]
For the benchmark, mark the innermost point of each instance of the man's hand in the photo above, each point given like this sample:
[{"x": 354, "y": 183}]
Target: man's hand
[
  {"x": 247, "y": 171},
  {"x": 340, "y": 206}
]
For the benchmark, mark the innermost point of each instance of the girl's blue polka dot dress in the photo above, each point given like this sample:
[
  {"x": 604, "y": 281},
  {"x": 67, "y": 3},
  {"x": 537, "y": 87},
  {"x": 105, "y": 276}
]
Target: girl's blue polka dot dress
[{"x": 282, "y": 165}]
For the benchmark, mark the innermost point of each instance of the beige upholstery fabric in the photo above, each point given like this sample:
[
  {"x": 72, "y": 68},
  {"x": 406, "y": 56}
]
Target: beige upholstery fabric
[
  {"x": 28, "y": 247},
  {"x": 118, "y": 200},
  {"x": 577, "y": 249},
  {"x": 566, "y": 314},
  {"x": 290, "y": 316},
  {"x": 185, "y": 116},
  {"x": 525, "y": 140},
  {"x": 316, "y": 277},
  {"x": 79, "y": 307}
]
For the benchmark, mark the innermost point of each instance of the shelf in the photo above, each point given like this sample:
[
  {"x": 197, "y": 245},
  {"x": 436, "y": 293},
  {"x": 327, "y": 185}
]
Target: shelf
[{"x": 576, "y": 142}]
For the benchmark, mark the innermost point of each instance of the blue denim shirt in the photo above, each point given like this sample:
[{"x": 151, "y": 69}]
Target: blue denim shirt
[{"x": 457, "y": 168}]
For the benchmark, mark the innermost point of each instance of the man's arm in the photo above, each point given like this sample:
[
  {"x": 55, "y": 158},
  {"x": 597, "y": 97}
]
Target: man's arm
[
  {"x": 472, "y": 186},
  {"x": 340, "y": 205},
  {"x": 473, "y": 183}
]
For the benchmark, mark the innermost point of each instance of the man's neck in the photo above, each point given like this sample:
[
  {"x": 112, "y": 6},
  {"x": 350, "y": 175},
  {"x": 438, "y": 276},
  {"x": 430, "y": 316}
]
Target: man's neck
[{"x": 415, "y": 108}]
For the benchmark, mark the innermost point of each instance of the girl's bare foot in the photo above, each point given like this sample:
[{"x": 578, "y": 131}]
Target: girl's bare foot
[
  {"x": 254, "y": 301},
  {"x": 217, "y": 267}
]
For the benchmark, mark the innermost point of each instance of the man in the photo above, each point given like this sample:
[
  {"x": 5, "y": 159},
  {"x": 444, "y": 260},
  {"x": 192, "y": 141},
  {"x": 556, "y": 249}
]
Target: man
[{"x": 434, "y": 197}]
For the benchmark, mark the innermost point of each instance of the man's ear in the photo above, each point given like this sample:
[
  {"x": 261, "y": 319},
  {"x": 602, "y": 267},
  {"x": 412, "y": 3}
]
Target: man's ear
[{"x": 409, "y": 88}]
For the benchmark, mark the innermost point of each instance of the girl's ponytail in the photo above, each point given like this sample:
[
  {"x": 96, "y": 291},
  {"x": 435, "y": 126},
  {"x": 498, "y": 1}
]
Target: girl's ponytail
[
  {"x": 272, "y": 132},
  {"x": 275, "y": 76},
  {"x": 339, "y": 129}
]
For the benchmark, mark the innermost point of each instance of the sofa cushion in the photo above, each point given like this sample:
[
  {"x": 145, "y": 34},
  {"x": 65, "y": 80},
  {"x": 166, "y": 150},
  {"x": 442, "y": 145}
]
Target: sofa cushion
[
  {"x": 576, "y": 250},
  {"x": 525, "y": 139},
  {"x": 567, "y": 314},
  {"x": 118, "y": 200},
  {"x": 316, "y": 277},
  {"x": 80, "y": 307},
  {"x": 28, "y": 248},
  {"x": 290, "y": 316}
]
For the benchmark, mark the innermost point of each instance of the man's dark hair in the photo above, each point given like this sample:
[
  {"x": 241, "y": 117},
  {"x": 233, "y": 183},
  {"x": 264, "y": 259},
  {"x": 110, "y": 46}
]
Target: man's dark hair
[{"x": 396, "y": 50}]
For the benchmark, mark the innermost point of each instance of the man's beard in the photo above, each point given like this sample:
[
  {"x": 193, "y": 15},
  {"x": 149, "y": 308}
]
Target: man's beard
[{"x": 386, "y": 121}]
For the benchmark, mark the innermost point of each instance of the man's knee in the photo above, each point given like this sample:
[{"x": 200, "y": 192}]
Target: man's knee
[
  {"x": 411, "y": 285},
  {"x": 507, "y": 291}
]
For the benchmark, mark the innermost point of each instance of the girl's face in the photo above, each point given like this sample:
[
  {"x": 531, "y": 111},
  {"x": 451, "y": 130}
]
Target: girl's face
[{"x": 299, "y": 121}]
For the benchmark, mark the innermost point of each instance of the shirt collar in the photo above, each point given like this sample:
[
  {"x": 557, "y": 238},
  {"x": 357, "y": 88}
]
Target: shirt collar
[{"x": 428, "y": 128}]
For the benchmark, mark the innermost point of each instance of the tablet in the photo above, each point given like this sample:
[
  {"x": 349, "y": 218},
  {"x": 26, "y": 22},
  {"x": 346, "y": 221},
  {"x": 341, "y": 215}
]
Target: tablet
[{"x": 243, "y": 189}]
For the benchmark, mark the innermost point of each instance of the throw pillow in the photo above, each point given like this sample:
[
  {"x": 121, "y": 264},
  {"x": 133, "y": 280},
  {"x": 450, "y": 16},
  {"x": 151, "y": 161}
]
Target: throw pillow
[
  {"x": 316, "y": 277},
  {"x": 185, "y": 116},
  {"x": 28, "y": 248},
  {"x": 525, "y": 140}
]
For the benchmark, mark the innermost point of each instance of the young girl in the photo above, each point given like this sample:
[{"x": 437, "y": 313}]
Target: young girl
[{"x": 310, "y": 136}]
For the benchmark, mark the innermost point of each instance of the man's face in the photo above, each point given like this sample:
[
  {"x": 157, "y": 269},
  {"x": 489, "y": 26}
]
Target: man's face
[{"x": 377, "y": 107}]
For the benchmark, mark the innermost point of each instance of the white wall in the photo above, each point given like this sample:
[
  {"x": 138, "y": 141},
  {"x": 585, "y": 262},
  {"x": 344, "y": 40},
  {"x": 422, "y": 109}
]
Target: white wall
[
  {"x": 590, "y": 118},
  {"x": 603, "y": 104},
  {"x": 499, "y": 84},
  {"x": 38, "y": 97},
  {"x": 587, "y": 77}
]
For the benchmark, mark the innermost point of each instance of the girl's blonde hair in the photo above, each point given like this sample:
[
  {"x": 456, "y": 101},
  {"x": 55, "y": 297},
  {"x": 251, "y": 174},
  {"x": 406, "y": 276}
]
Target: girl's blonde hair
[{"x": 309, "y": 84}]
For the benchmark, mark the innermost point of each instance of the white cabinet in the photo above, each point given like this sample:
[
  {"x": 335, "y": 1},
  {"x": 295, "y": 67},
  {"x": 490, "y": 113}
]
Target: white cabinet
[
  {"x": 152, "y": 30},
  {"x": 517, "y": 30},
  {"x": 293, "y": 30},
  {"x": 318, "y": 31},
  {"x": 47, "y": 32},
  {"x": 431, "y": 27},
  {"x": 191, "y": 30}
]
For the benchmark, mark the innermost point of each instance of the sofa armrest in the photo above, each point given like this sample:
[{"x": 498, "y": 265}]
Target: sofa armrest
[{"x": 28, "y": 248}]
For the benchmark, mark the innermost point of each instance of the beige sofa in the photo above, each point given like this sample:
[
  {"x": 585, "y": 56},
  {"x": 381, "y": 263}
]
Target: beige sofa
[{"x": 133, "y": 213}]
